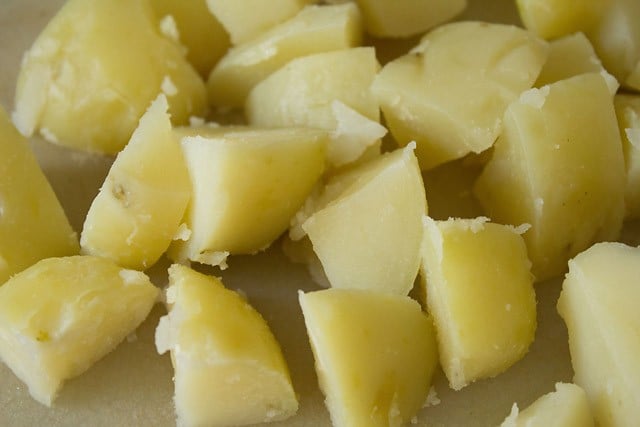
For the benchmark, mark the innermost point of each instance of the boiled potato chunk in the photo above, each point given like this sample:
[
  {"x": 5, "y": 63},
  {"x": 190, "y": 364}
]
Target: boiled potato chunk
[
  {"x": 229, "y": 369},
  {"x": 305, "y": 92},
  {"x": 246, "y": 186},
  {"x": 599, "y": 305},
  {"x": 197, "y": 29},
  {"x": 479, "y": 289},
  {"x": 449, "y": 93},
  {"x": 33, "y": 225},
  {"x": 567, "y": 406},
  {"x": 556, "y": 18},
  {"x": 628, "y": 113},
  {"x": 85, "y": 84},
  {"x": 375, "y": 355},
  {"x": 247, "y": 19},
  {"x": 314, "y": 29},
  {"x": 61, "y": 315},
  {"x": 558, "y": 165},
  {"x": 138, "y": 210},
  {"x": 368, "y": 226},
  {"x": 404, "y": 18}
]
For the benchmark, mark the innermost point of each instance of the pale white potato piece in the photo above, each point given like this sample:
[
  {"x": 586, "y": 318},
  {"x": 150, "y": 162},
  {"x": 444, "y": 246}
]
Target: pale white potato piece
[
  {"x": 314, "y": 29},
  {"x": 479, "y": 289},
  {"x": 247, "y": 19},
  {"x": 450, "y": 92},
  {"x": 138, "y": 210},
  {"x": 229, "y": 369},
  {"x": 599, "y": 305},
  {"x": 404, "y": 18},
  {"x": 628, "y": 112},
  {"x": 367, "y": 225},
  {"x": 558, "y": 165},
  {"x": 33, "y": 225},
  {"x": 328, "y": 90},
  {"x": 85, "y": 84},
  {"x": 196, "y": 28},
  {"x": 556, "y": 18},
  {"x": 246, "y": 185},
  {"x": 375, "y": 355},
  {"x": 61, "y": 315},
  {"x": 567, "y": 406}
]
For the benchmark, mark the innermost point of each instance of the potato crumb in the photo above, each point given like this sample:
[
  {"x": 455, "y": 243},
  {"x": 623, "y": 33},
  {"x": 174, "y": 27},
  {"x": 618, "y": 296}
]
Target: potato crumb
[
  {"x": 535, "y": 97},
  {"x": 520, "y": 229},
  {"x": 182, "y": 233},
  {"x": 131, "y": 277},
  {"x": 169, "y": 28},
  {"x": 168, "y": 87},
  {"x": 432, "y": 398},
  {"x": 215, "y": 259}
]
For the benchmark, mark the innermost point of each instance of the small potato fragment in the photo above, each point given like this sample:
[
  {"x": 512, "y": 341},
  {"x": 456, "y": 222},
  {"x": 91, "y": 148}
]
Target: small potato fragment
[
  {"x": 404, "y": 18},
  {"x": 367, "y": 227},
  {"x": 450, "y": 92},
  {"x": 599, "y": 305},
  {"x": 33, "y": 225},
  {"x": 61, "y": 315},
  {"x": 247, "y": 19},
  {"x": 551, "y": 19},
  {"x": 229, "y": 369},
  {"x": 315, "y": 29},
  {"x": 558, "y": 165},
  {"x": 246, "y": 185},
  {"x": 567, "y": 406},
  {"x": 375, "y": 355},
  {"x": 85, "y": 84},
  {"x": 138, "y": 210},
  {"x": 628, "y": 113},
  {"x": 479, "y": 289}
]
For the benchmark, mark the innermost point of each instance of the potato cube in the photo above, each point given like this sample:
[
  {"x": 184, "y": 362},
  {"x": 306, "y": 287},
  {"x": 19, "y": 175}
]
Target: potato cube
[
  {"x": 229, "y": 369},
  {"x": 628, "y": 113},
  {"x": 375, "y": 355},
  {"x": 61, "y": 315},
  {"x": 248, "y": 19},
  {"x": 404, "y": 18},
  {"x": 85, "y": 84},
  {"x": 558, "y": 165},
  {"x": 479, "y": 289},
  {"x": 551, "y": 19},
  {"x": 138, "y": 210},
  {"x": 450, "y": 92},
  {"x": 599, "y": 305},
  {"x": 368, "y": 226},
  {"x": 315, "y": 29},
  {"x": 196, "y": 28},
  {"x": 33, "y": 225},
  {"x": 567, "y": 406},
  {"x": 246, "y": 186}
]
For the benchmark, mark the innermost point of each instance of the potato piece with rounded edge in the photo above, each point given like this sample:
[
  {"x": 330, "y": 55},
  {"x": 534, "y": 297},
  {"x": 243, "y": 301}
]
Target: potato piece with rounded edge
[
  {"x": 375, "y": 355},
  {"x": 33, "y": 225},
  {"x": 404, "y": 18},
  {"x": 315, "y": 29},
  {"x": 479, "y": 290},
  {"x": 61, "y": 315},
  {"x": 84, "y": 83},
  {"x": 567, "y": 406},
  {"x": 229, "y": 369},
  {"x": 450, "y": 92},
  {"x": 247, "y": 184},
  {"x": 599, "y": 305},
  {"x": 551, "y": 19},
  {"x": 558, "y": 166},
  {"x": 628, "y": 113},
  {"x": 195, "y": 28},
  {"x": 367, "y": 228},
  {"x": 248, "y": 19},
  {"x": 138, "y": 210}
]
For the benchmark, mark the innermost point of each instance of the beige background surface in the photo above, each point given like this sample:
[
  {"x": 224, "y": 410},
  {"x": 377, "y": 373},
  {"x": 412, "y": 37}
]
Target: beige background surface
[{"x": 132, "y": 386}]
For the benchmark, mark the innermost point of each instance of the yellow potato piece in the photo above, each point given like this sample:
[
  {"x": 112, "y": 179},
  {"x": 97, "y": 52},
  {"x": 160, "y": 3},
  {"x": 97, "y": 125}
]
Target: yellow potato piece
[
  {"x": 33, "y": 225},
  {"x": 61, "y": 315},
  {"x": 375, "y": 355},
  {"x": 138, "y": 210},
  {"x": 558, "y": 165},
  {"x": 229, "y": 369},
  {"x": 479, "y": 289},
  {"x": 94, "y": 69},
  {"x": 556, "y": 18},
  {"x": 599, "y": 305}
]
